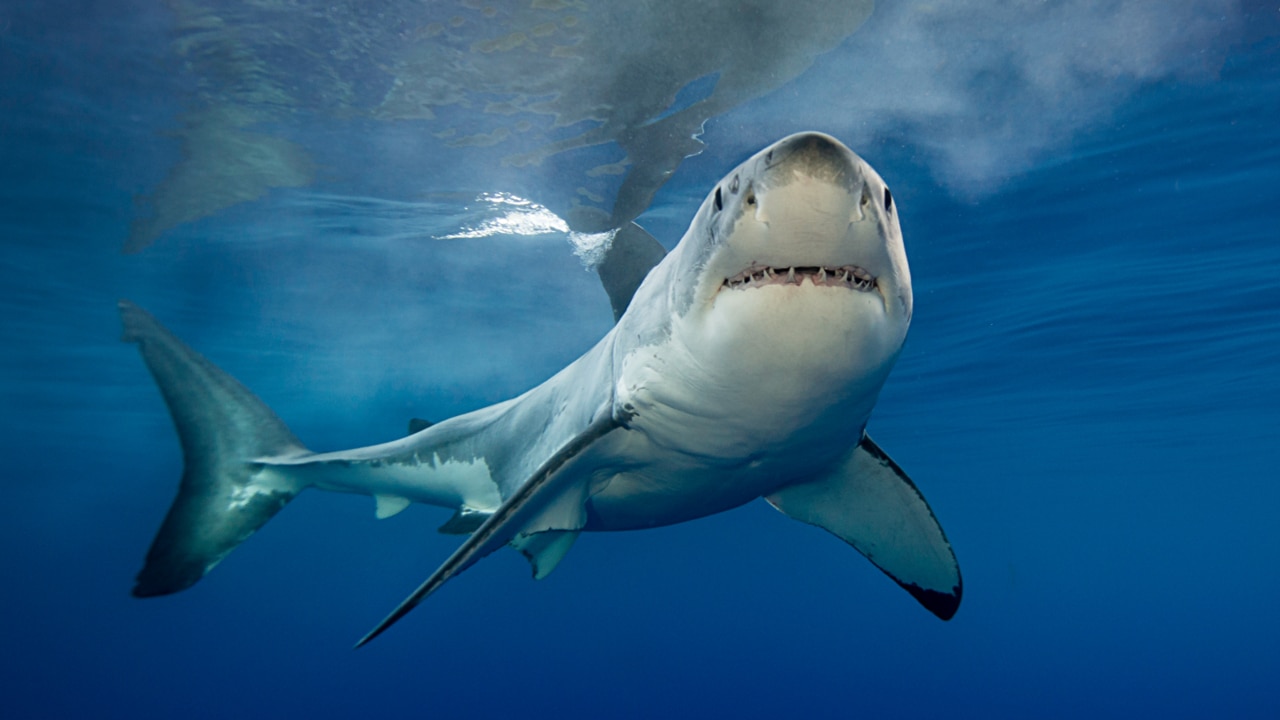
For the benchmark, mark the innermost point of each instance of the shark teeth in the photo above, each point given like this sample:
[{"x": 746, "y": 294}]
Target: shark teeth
[{"x": 846, "y": 276}]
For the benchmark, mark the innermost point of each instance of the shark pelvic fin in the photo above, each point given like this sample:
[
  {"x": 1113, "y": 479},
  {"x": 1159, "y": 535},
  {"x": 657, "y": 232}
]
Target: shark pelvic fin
[
  {"x": 545, "y": 549},
  {"x": 225, "y": 494},
  {"x": 545, "y": 502},
  {"x": 870, "y": 503}
]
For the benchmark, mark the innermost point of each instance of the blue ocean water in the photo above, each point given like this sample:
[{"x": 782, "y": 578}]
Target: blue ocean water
[{"x": 1088, "y": 396}]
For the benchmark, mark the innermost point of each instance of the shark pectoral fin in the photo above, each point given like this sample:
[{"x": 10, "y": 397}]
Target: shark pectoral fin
[
  {"x": 545, "y": 549},
  {"x": 870, "y": 503},
  {"x": 535, "y": 506},
  {"x": 464, "y": 522},
  {"x": 388, "y": 505}
]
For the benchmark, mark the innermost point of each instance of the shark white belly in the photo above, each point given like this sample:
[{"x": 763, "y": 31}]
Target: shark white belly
[{"x": 746, "y": 365}]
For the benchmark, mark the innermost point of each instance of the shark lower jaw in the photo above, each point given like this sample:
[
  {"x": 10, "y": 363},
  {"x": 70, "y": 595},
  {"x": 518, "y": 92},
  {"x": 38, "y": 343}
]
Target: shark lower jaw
[{"x": 850, "y": 277}]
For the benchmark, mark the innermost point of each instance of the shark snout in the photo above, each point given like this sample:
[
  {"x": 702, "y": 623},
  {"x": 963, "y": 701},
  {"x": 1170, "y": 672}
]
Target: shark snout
[
  {"x": 811, "y": 156},
  {"x": 807, "y": 186}
]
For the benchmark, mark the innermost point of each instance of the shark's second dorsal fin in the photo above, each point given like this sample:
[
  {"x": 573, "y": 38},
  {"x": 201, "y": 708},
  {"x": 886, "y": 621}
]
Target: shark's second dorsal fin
[{"x": 628, "y": 261}]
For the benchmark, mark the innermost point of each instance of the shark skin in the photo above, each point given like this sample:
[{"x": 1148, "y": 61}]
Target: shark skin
[{"x": 744, "y": 365}]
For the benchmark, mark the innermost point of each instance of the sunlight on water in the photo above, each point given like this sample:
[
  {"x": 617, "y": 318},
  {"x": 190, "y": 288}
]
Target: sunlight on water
[
  {"x": 529, "y": 80},
  {"x": 516, "y": 216}
]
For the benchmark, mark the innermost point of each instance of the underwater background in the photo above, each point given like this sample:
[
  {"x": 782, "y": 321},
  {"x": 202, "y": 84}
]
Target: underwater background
[{"x": 368, "y": 212}]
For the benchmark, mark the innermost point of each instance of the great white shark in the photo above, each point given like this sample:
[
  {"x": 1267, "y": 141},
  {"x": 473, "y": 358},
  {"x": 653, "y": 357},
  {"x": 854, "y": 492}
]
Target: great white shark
[{"x": 744, "y": 364}]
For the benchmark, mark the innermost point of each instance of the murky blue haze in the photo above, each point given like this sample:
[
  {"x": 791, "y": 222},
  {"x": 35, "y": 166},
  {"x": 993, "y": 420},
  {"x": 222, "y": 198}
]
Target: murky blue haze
[{"x": 1089, "y": 396}]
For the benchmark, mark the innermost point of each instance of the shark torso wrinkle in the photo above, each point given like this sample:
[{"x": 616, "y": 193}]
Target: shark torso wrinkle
[{"x": 744, "y": 364}]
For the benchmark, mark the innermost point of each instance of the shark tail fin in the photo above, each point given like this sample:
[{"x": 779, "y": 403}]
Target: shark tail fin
[{"x": 226, "y": 493}]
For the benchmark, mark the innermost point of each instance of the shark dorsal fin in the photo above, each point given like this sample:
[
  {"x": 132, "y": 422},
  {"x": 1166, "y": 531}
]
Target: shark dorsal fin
[{"x": 628, "y": 261}]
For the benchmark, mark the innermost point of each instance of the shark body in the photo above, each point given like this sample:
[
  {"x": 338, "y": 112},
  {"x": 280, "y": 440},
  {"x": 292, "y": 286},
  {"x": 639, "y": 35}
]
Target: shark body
[{"x": 744, "y": 365}]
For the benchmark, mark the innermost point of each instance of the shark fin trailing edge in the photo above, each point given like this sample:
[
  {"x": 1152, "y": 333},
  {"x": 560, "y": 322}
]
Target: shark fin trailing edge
[
  {"x": 870, "y": 503},
  {"x": 224, "y": 495}
]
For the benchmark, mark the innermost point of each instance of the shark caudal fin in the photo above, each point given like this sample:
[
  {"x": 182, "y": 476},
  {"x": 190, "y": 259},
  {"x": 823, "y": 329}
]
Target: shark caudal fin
[{"x": 224, "y": 429}]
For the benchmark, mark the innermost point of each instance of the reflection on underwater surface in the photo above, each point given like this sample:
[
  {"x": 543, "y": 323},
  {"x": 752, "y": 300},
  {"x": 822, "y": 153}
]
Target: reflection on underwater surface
[
  {"x": 1088, "y": 395},
  {"x": 592, "y": 106},
  {"x": 567, "y": 75}
]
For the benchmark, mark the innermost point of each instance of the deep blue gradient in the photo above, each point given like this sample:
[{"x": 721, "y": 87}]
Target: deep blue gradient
[{"x": 1089, "y": 398}]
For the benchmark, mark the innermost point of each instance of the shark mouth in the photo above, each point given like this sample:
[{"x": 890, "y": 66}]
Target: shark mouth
[{"x": 845, "y": 276}]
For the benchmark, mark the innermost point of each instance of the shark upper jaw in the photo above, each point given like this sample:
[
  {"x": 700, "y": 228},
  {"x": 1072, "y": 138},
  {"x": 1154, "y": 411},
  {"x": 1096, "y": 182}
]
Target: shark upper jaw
[
  {"x": 832, "y": 247},
  {"x": 851, "y": 277}
]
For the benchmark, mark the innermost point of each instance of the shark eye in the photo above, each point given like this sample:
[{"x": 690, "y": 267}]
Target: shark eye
[
  {"x": 718, "y": 203},
  {"x": 888, "y": 199}
]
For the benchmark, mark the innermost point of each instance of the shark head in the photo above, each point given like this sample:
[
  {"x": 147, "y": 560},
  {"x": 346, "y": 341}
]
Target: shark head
[
  {"x": 789, "y": 295},
  {"x": 804, "y": 212}
]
